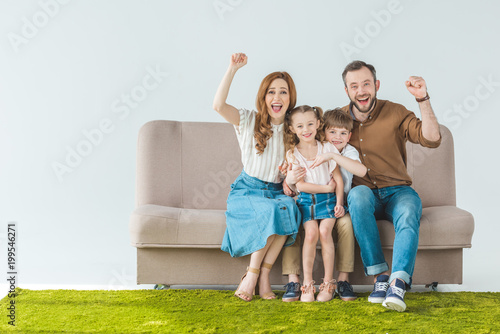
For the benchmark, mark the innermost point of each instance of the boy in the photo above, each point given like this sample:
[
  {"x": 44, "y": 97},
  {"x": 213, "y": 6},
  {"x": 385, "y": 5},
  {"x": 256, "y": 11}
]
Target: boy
[{"x": 337, "y": 126}]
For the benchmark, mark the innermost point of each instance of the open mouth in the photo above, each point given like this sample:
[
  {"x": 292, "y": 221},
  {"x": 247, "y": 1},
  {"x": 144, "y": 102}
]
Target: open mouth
[
  {"x": 307, "y": 135},
  {"x": 276, "y": 107},
  {"x": 364, "y": 101}
]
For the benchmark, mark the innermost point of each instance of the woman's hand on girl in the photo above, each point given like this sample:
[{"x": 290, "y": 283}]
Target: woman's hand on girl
[
  {"x": 294, "y": 174},
  {"x": 287, "y": 190},
  {"x": 238, "y": 60}
]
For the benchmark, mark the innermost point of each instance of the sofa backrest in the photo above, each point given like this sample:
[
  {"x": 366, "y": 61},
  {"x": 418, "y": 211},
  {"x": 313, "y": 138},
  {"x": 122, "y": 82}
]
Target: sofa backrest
[
  {"x": 192, "y": 165},
  {"x": 433, "y": 171},
  {"x": 186, "y": 164}
]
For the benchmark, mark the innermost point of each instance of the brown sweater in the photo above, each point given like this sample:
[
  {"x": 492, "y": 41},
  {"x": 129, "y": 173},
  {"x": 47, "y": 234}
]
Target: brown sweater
[{"x": 381, "y": 143}]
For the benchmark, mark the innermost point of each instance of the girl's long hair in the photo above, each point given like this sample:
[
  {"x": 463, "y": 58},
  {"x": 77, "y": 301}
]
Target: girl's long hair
[
  {"x": 290, "y": 138},
  {"x": 262, "y": 130}
]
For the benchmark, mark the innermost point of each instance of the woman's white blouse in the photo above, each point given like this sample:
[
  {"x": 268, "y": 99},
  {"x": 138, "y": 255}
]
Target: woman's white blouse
[{"x": 262, "y": 166}]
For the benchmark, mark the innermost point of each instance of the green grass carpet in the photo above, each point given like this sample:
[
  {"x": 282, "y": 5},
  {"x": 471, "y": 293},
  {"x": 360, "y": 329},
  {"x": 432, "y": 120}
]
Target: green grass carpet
[{"x": 213, "y": 311}]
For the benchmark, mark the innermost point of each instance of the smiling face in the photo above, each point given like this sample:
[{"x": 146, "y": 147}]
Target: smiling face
[
  {"x": 339, "y": 137},
  {"x": 305, "y": 126},
  {"x": 277, "y": 100},
  {"x": 362, "y": 89}
]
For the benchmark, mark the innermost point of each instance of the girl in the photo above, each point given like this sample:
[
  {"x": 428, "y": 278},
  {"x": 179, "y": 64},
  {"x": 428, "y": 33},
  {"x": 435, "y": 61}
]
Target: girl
[
  {"x": 260, "y": 218},
  {"x": 304, "y": 141}
]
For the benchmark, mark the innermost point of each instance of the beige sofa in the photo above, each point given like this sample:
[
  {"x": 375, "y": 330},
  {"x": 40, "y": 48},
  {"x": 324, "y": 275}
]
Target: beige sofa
[{"x": 184, "y": 170}]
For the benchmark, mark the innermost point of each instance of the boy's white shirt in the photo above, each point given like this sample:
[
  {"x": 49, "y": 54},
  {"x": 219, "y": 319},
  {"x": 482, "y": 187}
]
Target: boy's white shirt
[{"x": 349, "y": 152}]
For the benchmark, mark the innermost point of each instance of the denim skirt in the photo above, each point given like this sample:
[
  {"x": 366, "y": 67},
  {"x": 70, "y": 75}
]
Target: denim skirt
[
  {"x": 316, "y": 206},
  {"x": 255, "y": 211}
]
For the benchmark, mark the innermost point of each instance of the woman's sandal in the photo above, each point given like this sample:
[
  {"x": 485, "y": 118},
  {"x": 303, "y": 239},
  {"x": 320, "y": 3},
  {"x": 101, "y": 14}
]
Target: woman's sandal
[
  {"x": 308, "y": 291},
  {"x": 267, "y": 295},
  {"x": 327, "y": 291},
  {"x": 240, "y": 293}
]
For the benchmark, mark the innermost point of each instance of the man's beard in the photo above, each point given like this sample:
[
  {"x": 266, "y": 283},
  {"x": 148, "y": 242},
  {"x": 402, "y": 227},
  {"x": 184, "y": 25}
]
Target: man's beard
[{"x": 372, "y": 103}]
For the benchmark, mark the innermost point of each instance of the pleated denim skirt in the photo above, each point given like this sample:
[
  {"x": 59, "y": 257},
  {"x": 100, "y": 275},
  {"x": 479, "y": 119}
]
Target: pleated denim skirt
[{"x": 255, "y": 211}]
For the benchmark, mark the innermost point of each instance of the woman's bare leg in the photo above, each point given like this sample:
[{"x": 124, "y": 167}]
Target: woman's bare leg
[
  {"x": 250, "y": 281},
  {"x": 270, "y": 257}
]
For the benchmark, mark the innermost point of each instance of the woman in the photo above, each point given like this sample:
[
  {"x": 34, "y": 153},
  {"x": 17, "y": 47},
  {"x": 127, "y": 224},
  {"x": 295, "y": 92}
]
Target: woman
[{"x": 260, "y": 219}]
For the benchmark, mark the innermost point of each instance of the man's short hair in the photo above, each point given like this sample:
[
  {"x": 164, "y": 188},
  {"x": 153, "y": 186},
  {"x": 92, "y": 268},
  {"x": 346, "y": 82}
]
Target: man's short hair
[
  {"x": 337, "y": 118},
  {"x": 357, "y": 65}
]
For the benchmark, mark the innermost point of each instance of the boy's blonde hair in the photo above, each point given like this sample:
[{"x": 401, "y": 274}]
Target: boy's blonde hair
[{"x": 337, "y": 118}]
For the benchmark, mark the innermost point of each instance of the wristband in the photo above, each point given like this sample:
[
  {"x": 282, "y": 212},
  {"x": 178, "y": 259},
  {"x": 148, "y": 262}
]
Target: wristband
[{"x": 425, "y": 98}]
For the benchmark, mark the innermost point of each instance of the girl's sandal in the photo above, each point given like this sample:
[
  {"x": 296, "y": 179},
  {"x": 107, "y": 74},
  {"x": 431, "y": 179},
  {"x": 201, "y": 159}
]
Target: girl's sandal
[
  {"x": 308, "y": 291},
  {"x": 267, "y": 295},
  {"x": 240, "y": 293},
  {"x": 327, "y": 291}
]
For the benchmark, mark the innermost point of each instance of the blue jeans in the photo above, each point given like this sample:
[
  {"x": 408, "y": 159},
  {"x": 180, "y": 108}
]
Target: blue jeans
[{"x": 402, "y": 206}]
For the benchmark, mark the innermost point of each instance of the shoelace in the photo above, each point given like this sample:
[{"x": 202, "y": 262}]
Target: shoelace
[
  {"x": 398, "y": 291},
  {"x": 309, "y": 288},
  {"x": 330, "y": 285},
  {"x": 381, "y": 286},
  {"x": 291, "y": 286},
  {"x": 344, "y": 286}
]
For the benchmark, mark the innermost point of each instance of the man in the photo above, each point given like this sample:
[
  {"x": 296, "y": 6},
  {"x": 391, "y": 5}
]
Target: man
[{"x": 381, "y": 129}]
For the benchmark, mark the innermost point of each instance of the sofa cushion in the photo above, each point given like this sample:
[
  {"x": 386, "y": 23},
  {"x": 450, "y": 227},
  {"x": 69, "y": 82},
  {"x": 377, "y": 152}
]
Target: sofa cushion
[
  {"x": 160, "y": 227},
  {"x": 155, "y": 226}
]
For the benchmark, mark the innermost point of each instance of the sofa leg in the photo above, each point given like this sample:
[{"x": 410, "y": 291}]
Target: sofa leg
[
  {"x": 161, "y": 287},
  {"x": 433, "y": 286}
]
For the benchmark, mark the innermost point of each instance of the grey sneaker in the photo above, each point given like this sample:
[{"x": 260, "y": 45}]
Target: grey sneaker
[
  {"x": 345, "y": 291},
  {"x": 379, "y": 290},
  {"x": 292, "y": 292}
]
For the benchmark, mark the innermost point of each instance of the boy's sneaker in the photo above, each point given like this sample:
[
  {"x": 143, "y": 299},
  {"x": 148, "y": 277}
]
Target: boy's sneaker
[
  {"x": 292, "y": 292},
  {"x": 379, "y": 289},
  {"x": 345, "y": 291},
  {"x": 394, "y": 299}
]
